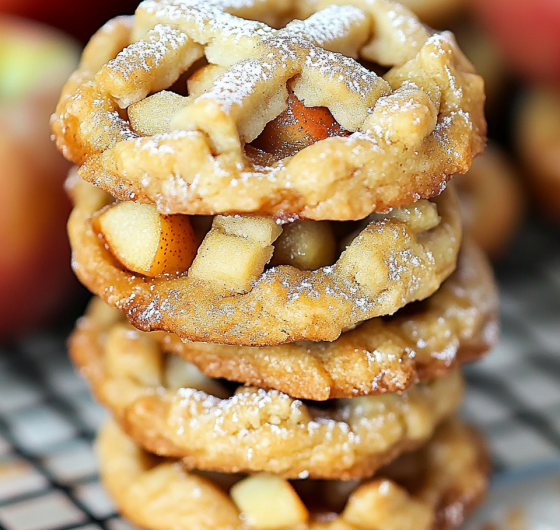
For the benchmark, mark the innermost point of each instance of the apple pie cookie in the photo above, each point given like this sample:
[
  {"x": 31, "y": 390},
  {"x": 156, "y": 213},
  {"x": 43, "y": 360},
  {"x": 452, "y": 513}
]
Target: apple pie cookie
[
  {"x": 537, "y": 138},
  {"x": 203, "y": 107},
  {"x": 434, "y": 488},
  {"x": 172, "y": 409},
  {"x": 457, "y": 324},
  {"x": 315, "y": 286}
]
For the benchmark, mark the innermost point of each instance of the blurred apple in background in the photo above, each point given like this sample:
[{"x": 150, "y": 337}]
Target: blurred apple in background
[
  {"x": 528, "y": 33},
  {"x": 77, "y": 18},
  {"x": 35, "y": 275}
]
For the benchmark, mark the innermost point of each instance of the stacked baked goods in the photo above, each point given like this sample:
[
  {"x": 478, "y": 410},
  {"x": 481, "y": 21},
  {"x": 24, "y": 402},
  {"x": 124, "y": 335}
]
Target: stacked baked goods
[{"x": 284, "y": 297}]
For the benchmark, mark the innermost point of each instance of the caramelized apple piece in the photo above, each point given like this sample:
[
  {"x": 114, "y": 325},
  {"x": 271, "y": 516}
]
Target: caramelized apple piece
[
  {"x": 235, "y": 251},
  {"x": 268, "y": 502},
  {"x": 296, "y": 128},
  {"x": 307, "y": 245},
  {"x": 145, "y": 241}
]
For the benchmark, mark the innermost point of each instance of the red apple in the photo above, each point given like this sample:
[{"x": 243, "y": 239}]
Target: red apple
[
  {"x": 79, "y": 19},
  {"x": 528, "y": 32},
  {"x": 35, "y": 275}
]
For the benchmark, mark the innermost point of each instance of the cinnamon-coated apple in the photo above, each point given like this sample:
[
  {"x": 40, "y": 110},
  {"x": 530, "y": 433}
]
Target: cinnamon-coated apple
[
  {"x": 297, "y": 128},
  {"x": 35, "y": 274}
]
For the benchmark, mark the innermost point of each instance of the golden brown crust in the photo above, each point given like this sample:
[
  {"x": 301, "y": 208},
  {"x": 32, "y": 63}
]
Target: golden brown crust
[
  {"x": 390, "y": 263},
  {"x": 253, "y": 429},
  {"x": 434, "y": 488},
  {"x": 415, "y": 127},
  {"x": 457, "y": 324},
  {"x": 492, "y": 201}
]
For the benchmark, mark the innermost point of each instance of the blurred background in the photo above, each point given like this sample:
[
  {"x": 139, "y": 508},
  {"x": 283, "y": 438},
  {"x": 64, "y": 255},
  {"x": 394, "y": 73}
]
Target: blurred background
[{"x": 510, "y": 201}]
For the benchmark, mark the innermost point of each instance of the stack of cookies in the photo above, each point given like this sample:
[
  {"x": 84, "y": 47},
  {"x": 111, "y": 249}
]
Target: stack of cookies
[{"x": 284, "y": 295}]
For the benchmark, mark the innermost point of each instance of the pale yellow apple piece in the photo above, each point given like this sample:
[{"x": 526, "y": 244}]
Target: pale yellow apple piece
[
  {"x": 420, "y": 217},
  {"x": 235, "y": 251},
  {"x": 382, "y": 504},
  {"x": 152, "y": 115},
  {"x": 261, "y": 230},
  {"x": 145, "y": 241},
  {"x": 307, "y": 245},
  {"x": 132, "y": 354},
  {"x": 203, "y": 79},
  {"x": 182, "y": 374},
  {"x": 268, "y": 502}
]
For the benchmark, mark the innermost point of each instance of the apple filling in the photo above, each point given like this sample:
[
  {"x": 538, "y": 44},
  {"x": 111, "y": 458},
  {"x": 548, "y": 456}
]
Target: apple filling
[
  {"x": 144, "y": 241},
  {"x": 269, "y": 502},
  {"x": 231, "y": 252},
  {"x": 296, "y": 128}
]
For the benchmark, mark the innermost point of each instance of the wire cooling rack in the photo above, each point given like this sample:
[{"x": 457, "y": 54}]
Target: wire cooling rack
[{"x": 48, "y": 472}]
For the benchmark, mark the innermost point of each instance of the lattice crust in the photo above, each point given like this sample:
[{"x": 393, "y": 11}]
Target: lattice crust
[
  {"x": 396, "y": 259},
  {"x": 434, "y": 488},
  {"x": 455, "y": 325},
  {"x": 169, "y": 407},
  {"x": 409, "y": 130}
]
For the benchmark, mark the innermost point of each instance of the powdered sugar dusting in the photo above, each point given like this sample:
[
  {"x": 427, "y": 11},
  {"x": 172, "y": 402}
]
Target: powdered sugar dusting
[
  {"x": 203, "y": 21},
  {"x": 239, "y": 82},
  {"x": 147, "y": 54},
  {"x": 328, "y": 25},
  {"x": 333, "y": 66}
]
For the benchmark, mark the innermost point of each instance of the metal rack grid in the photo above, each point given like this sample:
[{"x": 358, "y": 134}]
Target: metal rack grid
[{"x": 48, "y": 474}]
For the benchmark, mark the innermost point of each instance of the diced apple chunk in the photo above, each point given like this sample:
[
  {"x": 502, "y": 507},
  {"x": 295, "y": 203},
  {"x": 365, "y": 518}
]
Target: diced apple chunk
[
  {"x": 152, "y": 115},
  {"x": 307, "y": 245},
  {"x": 383, "y": 504},
  {"x": 229, "y": 261},
  {"x": 261, "y": 230},
  {"x": 144, "y": 241},
  {"x": 268, "y": 502},
  {"x": 421, "y": 216},
  {"x": 182, "y": 374},
  {"x": 235, "y": 251},
  {"x": 132, "y": 354},
  {"x": 203, "y": 79}
]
